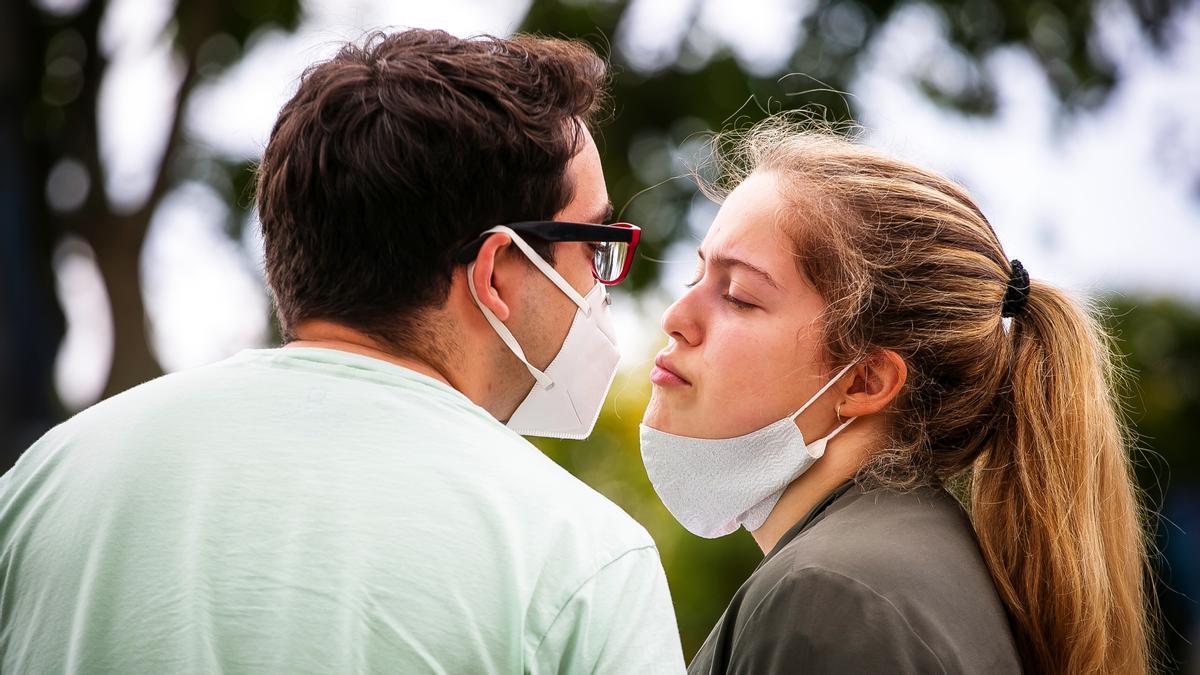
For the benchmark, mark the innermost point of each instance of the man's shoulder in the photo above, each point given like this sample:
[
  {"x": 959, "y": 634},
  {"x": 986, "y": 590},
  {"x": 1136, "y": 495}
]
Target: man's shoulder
[
  {"x": 211, "y": 411},
  {"x": 163, "y": 391},
  {"x": 124, "y": 411},
  {"x": 564, "y": 502},
  {"x": 251, "y": 390}
]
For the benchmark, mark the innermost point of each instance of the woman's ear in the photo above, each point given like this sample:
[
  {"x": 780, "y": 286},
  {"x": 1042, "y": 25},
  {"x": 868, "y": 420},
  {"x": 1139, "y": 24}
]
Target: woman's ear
[
  {"x": 873, "y": 384},
  {"x": 484, "y": 275}
]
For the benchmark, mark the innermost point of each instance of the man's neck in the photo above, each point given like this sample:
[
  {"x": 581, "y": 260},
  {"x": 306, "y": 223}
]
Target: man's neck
[{"x": 326, "y": 335}]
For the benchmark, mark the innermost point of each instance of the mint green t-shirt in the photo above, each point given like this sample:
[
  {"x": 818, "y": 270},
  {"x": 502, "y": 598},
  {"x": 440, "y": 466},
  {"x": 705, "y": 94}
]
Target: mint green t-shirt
[{"x": 316, "y": 511}]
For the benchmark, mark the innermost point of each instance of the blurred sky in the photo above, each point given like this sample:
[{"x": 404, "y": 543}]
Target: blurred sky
[{"x": 1100, "y": 201}]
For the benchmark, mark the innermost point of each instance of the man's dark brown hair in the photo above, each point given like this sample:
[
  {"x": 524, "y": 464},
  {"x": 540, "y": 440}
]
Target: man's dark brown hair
[{"x": 394, "y": 154}]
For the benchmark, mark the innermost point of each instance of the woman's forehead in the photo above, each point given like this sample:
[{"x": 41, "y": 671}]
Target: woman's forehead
[{"x": 750, "y": 225}]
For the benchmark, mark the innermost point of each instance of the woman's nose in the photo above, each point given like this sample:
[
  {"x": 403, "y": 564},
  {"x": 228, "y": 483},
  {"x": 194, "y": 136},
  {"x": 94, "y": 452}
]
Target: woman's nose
[{"x": 680, "y": 322}]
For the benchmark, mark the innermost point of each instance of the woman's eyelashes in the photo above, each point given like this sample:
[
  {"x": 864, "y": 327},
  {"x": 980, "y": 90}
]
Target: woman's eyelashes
[{"x": 737, "y": 303}]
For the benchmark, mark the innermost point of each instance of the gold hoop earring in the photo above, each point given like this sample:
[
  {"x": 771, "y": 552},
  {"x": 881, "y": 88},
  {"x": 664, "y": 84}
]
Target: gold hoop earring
[{"x": 838, "y": 411}]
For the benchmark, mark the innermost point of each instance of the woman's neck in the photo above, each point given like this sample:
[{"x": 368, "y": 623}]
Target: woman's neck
[{"x": 842, "y": 459}]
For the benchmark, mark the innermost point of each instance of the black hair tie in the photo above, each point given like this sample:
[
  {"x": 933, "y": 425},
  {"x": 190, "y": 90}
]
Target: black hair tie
[{"x": 1018, "y": 291}]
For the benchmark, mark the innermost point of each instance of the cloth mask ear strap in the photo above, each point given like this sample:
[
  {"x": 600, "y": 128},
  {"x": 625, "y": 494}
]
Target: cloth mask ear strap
[
  {"x": 816, "y": 449},
  {"x": 545, "y": 268},
  {"x": 824, "y": 389},
  {"x": 505, "y": 334},
  {"x": 838, "y": 429}
]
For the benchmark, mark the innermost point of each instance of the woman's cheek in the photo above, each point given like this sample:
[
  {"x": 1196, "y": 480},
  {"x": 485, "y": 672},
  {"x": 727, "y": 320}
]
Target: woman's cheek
[{"x": 736, "y": 362}]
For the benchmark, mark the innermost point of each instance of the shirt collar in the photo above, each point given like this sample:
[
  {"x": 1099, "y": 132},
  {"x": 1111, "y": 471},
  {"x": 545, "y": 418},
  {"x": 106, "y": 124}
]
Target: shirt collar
[{"x": 808, "y": 519}]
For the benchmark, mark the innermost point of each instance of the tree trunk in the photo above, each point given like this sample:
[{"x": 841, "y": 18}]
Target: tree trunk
[
  {"x": 31, "y": 321},
  {"x": 118, "y": 247}
]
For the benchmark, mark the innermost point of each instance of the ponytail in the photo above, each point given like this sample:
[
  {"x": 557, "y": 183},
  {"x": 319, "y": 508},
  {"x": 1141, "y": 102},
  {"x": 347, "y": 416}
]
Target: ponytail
[{"x": 1054, "y": 503}]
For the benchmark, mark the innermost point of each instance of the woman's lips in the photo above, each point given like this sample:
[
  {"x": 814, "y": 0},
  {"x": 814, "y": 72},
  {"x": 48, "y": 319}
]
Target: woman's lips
[{"x": 664, "y": 376}]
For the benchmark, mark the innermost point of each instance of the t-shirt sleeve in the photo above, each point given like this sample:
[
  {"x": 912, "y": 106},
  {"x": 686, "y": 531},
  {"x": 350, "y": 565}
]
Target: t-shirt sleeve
[
  {"x": 619, "y": 621},
  {"x": 818, "y": 621}
]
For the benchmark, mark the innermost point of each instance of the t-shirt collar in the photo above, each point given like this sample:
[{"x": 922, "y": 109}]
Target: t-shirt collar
[{"x": 808, "y": 519}]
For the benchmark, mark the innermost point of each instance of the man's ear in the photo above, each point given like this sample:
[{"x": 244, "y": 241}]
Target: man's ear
[
  {"x": 485, "y": 277},
  {"x": 873, "y": 384}
]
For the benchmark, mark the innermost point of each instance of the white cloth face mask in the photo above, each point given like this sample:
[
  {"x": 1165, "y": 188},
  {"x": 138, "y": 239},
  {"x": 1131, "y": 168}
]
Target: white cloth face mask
[
  {"x": 712, "y": 486},
  {"x": 566, "y": 399}
]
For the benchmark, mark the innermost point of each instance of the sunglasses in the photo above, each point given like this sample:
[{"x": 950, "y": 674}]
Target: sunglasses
[{"x": 612, "y": 245}]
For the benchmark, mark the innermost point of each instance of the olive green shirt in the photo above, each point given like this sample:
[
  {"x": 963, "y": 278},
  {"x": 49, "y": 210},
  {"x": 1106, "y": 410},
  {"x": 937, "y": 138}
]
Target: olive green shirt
[{"x": 868, "y": 582}]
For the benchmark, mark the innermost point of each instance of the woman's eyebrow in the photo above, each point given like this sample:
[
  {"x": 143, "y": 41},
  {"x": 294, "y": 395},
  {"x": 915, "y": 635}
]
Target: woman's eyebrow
[{"x": 721, "y": 260}]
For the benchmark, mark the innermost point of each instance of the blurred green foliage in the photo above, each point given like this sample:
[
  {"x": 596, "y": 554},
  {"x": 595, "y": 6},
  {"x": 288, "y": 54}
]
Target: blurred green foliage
[
  {"x": 55, "y": 62},
  {"x": 1159, "y": 343},
  {"x": 659, "y": 117}
]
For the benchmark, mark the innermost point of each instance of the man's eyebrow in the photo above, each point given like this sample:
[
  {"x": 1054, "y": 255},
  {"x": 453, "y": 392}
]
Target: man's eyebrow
[
  {"x": 603, "y": 215},
  {"x": 720, "y": 260}
]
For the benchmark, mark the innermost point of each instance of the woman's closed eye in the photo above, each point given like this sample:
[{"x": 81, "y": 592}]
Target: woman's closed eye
[
  {"x": 739, "y": 304},
  {"x": 727, "y": 296}
]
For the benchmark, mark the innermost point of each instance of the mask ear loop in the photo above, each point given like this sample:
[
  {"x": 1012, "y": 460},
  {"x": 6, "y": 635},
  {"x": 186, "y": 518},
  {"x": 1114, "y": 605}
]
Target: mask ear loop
[
  {"x": 545, "y": 268},
  {"x": 824, "y": 389},
  {"x": 505, "y": 334},
  {"x": 816, "y": 449}
]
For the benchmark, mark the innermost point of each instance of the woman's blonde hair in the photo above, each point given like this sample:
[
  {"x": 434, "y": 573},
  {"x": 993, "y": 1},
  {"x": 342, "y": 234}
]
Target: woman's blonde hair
[{"x": 906, "y": 261}]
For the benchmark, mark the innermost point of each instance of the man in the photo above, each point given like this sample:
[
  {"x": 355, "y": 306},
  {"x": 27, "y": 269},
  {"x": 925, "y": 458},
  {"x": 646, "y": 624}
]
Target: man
[{"x": 431, "y": 211}]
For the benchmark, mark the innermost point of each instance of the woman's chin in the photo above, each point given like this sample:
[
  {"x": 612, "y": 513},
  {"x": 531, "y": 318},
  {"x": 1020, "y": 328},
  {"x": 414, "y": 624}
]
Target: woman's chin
[{"x": 657, "y": 416}]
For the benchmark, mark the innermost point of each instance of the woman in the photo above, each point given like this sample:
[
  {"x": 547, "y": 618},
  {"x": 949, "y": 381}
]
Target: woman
[{"x": 855, "y": 339}]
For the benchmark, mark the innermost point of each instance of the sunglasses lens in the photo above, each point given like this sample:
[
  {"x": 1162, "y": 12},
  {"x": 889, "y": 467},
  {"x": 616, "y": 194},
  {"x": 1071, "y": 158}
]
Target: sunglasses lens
[{"x": 609, "y": 259}]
